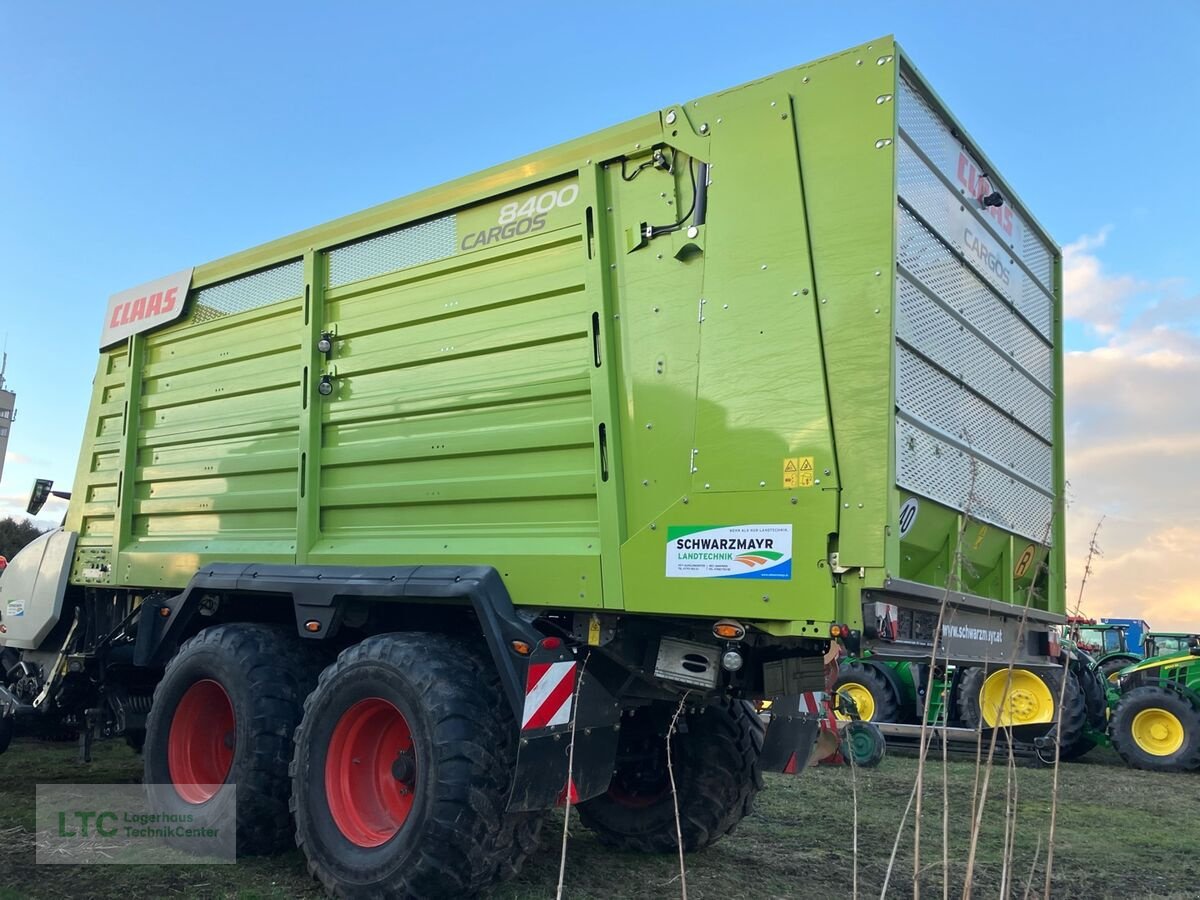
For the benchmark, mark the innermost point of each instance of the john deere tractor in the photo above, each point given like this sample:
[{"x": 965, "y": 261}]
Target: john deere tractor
[
  {"x": 1162, "y": 643},
  {"x": 966, "y": 698},
  {"x": 1156, "y": 720},
  {"x": 1106, "y": 642}
]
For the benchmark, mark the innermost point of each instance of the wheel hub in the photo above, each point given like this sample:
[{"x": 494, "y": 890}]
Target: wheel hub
[
  {"x": 863, "y": 700},
  {"x": 201, "y": 741},
  {"x": 1019, "y": 697},
  {"x": 370, "y": 772},
  {"x": 1157, "y": 731},
  {"x": 404, "y": 769}
]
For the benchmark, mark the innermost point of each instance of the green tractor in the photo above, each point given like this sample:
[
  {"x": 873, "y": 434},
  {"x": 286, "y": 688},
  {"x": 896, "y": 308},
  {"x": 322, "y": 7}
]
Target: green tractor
[
  {"x": 1155, "y": 721},
  {"x": 1162, "y": 643},
  {"x": 963, "y": 699},
  {"x": 1106, "y": 642}
]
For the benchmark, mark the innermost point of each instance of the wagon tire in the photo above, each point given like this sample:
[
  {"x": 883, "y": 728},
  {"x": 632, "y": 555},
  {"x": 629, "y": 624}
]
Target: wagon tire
[
  {"x": 717, "y": 777},
  {"x": 402, "y": 771},
  {"x": 223, "y": 715}
]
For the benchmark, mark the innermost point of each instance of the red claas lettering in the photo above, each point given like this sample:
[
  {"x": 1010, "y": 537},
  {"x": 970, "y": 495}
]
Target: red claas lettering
[
  {"x": 978, "y": 186},
  {"x": 143, "y": 308}
]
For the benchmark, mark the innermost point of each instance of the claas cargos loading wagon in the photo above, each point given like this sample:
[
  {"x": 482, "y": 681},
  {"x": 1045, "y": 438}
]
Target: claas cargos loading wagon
[{"x": 654, "y": 415}]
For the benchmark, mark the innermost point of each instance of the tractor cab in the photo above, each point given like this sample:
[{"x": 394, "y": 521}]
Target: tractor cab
[
  {"x": 1161, "y": 643},
  {"x": 1097, "y": 638},
  {"x": 1105, "y": 642}
]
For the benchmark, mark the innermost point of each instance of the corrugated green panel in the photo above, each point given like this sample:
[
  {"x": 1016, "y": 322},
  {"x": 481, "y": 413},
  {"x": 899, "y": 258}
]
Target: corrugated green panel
[
  {"x": 460, "y": 424},
  {"x": 94, "y": 495},
  {"x": 215, "y": 473}
]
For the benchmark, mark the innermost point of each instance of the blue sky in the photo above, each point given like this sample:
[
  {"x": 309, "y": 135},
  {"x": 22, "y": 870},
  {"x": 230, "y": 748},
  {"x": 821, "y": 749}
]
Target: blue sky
[{"x": 137, "y": 139}]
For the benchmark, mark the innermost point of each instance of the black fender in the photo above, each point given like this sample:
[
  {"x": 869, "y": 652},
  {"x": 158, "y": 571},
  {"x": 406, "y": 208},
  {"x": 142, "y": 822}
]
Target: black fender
[
  {"x": 1130, "y": 658},
  {"x": 318, "y": 595},
  {"x": 903, "y": 701}
]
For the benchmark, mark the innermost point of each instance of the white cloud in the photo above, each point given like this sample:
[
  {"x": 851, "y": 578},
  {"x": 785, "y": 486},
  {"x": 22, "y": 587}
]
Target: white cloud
[
  {"x": 1133, "y": 439},
  {"x": 1091, "y": 295}
]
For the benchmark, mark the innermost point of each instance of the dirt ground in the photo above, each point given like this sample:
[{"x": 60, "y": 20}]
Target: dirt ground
[{"x": 1121, "y": 833}]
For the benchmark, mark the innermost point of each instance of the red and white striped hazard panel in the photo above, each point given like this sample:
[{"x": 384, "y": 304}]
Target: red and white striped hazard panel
[
  {"x": 548, "y": 692},
  {"x": 813, "y": 703}
]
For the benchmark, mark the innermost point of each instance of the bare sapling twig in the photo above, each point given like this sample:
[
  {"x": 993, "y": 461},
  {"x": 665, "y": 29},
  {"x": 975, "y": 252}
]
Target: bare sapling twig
[
  {"x": 945, "y": 800},
  {"x": 953, "y": 579},
  {"x": 562, "y": 860},
  {"x": 1011, "y": 794},
  {"x": 887, "y": 876},
  {"x": 981, "y": 802},
  {"x": 1093, "y": 552},
  {"x": 1037, "y": 851},
  {"x": 854, "y": 802},
  {"x": 675, "y": 796}
]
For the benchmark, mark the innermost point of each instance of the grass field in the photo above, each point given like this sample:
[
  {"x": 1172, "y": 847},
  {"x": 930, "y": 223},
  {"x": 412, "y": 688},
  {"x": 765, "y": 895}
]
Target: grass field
[{"x": 1121, "y": 834}]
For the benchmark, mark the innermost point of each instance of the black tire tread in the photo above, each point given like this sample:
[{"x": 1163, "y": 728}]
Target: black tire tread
[
  {"x": 279, "y": 672},
  {"x": 720, "y": 797},
  {"x": 1139, "y": 698},
  {"x": 1074, "y": 740},
  {"x": 472, "y": 841},
  {"x": 966, "y": 699},
  {"x": 887, "y": 704}
]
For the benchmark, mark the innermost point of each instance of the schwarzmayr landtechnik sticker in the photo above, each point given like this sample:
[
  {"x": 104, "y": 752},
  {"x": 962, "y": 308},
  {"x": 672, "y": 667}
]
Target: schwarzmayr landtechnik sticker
[{"x": 729, "y": 551}]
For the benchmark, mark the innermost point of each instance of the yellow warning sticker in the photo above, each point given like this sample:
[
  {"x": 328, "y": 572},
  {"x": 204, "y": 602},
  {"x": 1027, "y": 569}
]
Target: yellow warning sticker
[
  {"x": 983, "y": 530},
  {"x": 1024, "y": 562},
  {"x": 594, "y": 631},
  {"x": 798, "y": 471}
]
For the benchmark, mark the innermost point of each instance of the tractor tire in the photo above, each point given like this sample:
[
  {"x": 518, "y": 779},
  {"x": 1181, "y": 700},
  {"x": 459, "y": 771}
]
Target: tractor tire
[
  {"x": 1157, "y": 729},
  {"x": 1115, "y": 664},
  {"x": 1074, "y": 739},
  {"x": 1072, "y": 729},
  {"x": 871, "y": 691},
  {"x": 402, "y": 770},
  {"x": 223, "y": 714},
  {"x": 966, "y": 698},
  {"x": 714, "y": 755},
  {"x": 6, "y": 732}
]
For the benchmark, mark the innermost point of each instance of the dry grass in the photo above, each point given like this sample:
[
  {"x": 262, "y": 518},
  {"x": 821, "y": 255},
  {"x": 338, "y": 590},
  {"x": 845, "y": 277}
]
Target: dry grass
[{"x": 1120, "y": 833}]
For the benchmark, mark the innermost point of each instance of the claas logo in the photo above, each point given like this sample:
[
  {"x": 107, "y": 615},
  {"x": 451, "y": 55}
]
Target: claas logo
[
  {"x": 147, "y": 307},
  {"x": 979, "y": 186}
]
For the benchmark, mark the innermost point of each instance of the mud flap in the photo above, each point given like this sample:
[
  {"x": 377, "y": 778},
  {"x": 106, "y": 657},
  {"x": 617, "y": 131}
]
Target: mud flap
[
  {"x": 791, "y": 734},
  {"x": 555, "y": 698}
]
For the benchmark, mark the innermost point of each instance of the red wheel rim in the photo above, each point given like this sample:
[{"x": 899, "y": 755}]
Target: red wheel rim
[
  {"x": 370, "y": 772},
  {"x": 201, "y": 742}
]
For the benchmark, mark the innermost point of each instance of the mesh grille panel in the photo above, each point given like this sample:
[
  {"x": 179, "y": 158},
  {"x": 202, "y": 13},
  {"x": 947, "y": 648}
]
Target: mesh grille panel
[
  {"x": 926, "y": 327},
  {"x": 974, "y": 359},
  {"x": 248, "y": 292},
  {"x": 930, "y": 132},
  {"x": 384, "y": 253},
  {"x": 928, "y": 196},
  {"x": 932, "y": 468},
  {"x": 941, "y": 272},
  {"x": 927, "y": 395},
  {"x": 1038, "y": 258}
]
